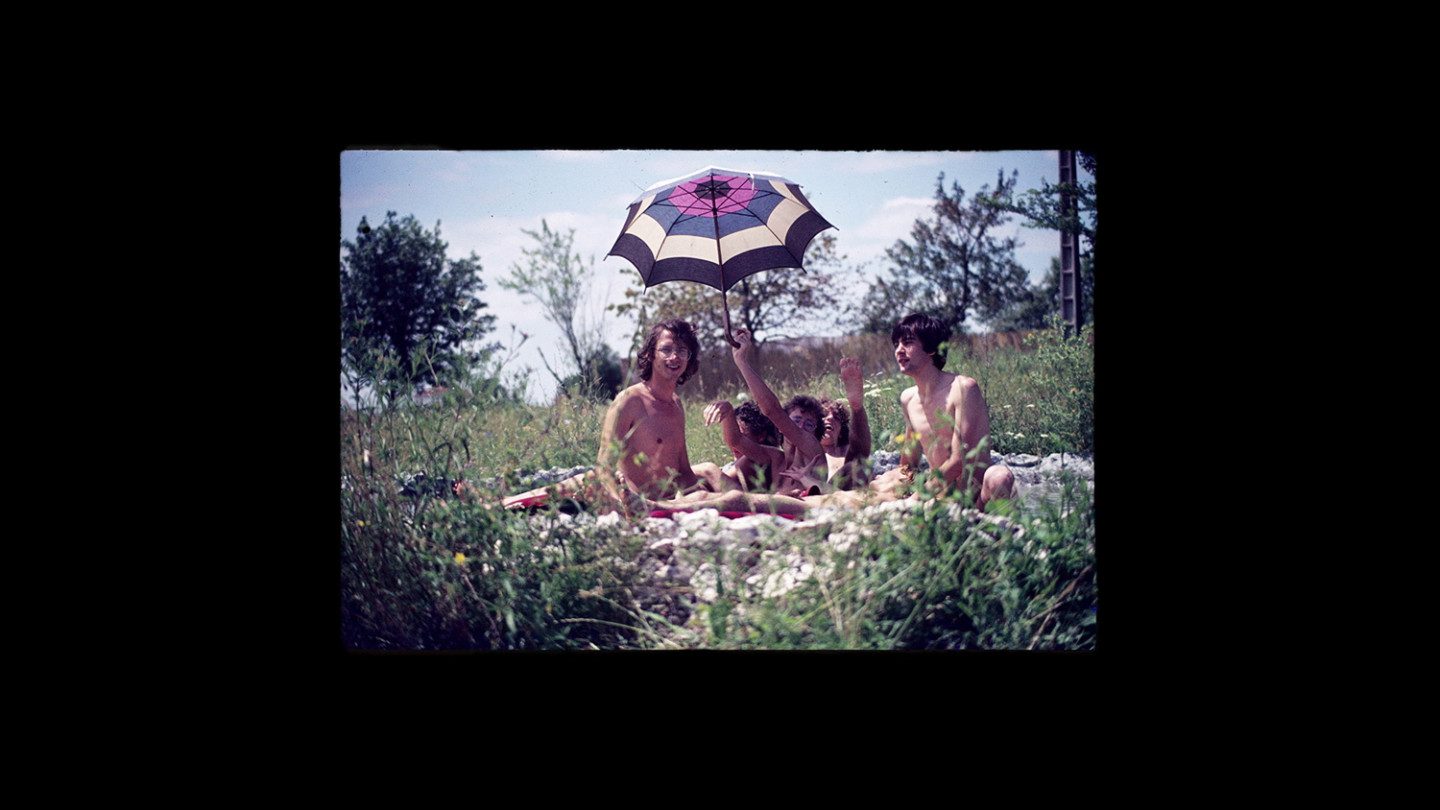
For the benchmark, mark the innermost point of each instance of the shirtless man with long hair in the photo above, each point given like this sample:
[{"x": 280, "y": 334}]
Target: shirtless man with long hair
[{"x": 644, "y": 462}]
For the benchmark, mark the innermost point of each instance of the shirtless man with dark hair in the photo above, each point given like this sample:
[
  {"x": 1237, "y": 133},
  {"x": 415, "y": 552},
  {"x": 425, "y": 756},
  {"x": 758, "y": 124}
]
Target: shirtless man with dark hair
[{"x": 946, "y": 416}]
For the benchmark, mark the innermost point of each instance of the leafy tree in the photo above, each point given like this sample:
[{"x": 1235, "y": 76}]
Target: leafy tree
[
  {"x": 410, "y": 316},
  {"x": 1042, "y": 301},
  {"x": 782, "y": 303},
  {"x": 604, "y": 364},
  {"x": 1041, "y": 209},
  {"x": 954, "y": 267},
  {"x": 555, "y": 278}
]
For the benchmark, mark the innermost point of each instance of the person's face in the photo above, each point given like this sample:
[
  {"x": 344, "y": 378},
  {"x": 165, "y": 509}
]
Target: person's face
[
  {"x": 909, "y": 354},
  {"x": 803, "y": 419},
  {"x": 832, "y": 430},
  {"x": 671, "y": 356}
]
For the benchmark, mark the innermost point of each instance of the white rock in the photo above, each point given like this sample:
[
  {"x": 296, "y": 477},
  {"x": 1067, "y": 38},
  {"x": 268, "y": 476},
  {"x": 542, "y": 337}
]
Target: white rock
[
  {"x": 759, "y": 522},
  {"x": 704, "y": 581},
  {"x": 843, "y": 540},
  {"x": 703, "y": 518},
  {"x": 1079, "y": 465}
]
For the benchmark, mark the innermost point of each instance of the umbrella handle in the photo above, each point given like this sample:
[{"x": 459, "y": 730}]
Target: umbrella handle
[{"x": 726, "y": 304}]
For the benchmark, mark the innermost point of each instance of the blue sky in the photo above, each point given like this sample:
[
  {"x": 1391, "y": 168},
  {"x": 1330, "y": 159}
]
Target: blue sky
[{"x": 483, "y": 200}]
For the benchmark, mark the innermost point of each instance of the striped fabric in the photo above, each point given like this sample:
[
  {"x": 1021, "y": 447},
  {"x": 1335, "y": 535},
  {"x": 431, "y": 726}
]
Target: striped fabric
[{"x": 717, "y": 226}]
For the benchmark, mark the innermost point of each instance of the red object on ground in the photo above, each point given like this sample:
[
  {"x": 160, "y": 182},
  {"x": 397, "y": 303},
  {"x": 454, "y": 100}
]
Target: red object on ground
[{"x": 524, "y": 501}]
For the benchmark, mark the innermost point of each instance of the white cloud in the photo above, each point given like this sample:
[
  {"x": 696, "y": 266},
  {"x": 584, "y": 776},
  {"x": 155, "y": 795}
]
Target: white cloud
[
  {"x": 894, "y": 219},
  {"x": 461, "y": 167},
  {"x": 366, "y": 197},
  {"x": 573, "y": 156},
  {"x": 665, "y": 165},
  {"x": 880, "y": 162},
  {"x": 868, "y": 241}
]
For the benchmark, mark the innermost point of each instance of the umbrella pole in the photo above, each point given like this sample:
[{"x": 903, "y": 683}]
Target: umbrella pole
[
  {"x": 726, "y": 304},
  {"x": 720, "y": 263}
]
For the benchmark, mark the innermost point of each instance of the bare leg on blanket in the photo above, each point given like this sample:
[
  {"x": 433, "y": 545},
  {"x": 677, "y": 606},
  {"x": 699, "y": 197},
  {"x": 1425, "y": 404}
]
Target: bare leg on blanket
[
  {"x": 735, "y": 502},
  {"x": 586, "y": 487},
  {"x": 715, "y": 477},
  {"x": 892, "y": 486}
]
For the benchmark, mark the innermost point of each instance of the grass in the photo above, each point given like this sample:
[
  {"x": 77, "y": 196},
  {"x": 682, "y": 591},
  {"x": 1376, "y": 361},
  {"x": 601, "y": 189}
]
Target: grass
[{"x": 428, "y": 572}]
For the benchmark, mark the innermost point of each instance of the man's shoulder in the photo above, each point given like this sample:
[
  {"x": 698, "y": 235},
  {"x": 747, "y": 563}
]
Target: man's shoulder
[
  {"x": 909, "y": 393},
  {"x": 961, "y": 383},
  {"x": 633, "y": 394}
]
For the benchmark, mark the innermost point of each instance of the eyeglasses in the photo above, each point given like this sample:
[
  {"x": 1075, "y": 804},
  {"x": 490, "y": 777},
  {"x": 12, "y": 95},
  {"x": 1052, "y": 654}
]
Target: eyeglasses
[
  {"x": 804, "y": 422},
  {"x": 673, "y": 351}
]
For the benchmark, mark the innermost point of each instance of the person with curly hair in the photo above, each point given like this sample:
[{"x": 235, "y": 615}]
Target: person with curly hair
[
  {"x": 804, "y": 471},
  {"x": 753, "y": 439},
  {"x": 846, "y": 452}
]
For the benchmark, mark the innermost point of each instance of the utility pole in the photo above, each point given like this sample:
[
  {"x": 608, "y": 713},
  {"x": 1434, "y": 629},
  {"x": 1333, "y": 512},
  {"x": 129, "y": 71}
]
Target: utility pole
[{"x": 1069, "y": 246}]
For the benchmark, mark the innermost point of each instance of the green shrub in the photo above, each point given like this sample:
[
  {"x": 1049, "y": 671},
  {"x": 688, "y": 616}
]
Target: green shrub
[
  {"x": 1042, "y": 398},
  {"x": 937, "y": 579}
]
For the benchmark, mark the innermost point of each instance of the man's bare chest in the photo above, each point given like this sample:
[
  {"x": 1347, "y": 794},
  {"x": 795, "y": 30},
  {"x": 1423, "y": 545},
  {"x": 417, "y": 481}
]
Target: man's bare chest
[
  {"x": 657, "y": 427},
  {"x": 930, "y": 418}
]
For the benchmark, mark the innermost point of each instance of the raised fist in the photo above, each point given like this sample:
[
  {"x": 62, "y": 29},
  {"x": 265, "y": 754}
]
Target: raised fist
[
  {"x": 850, "y": 374},
  {"x": 746, "y": 349}
]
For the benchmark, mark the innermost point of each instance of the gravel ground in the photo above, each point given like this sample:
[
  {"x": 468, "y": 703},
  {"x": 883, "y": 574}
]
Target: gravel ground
[{"x": 1038, "y": 476}]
